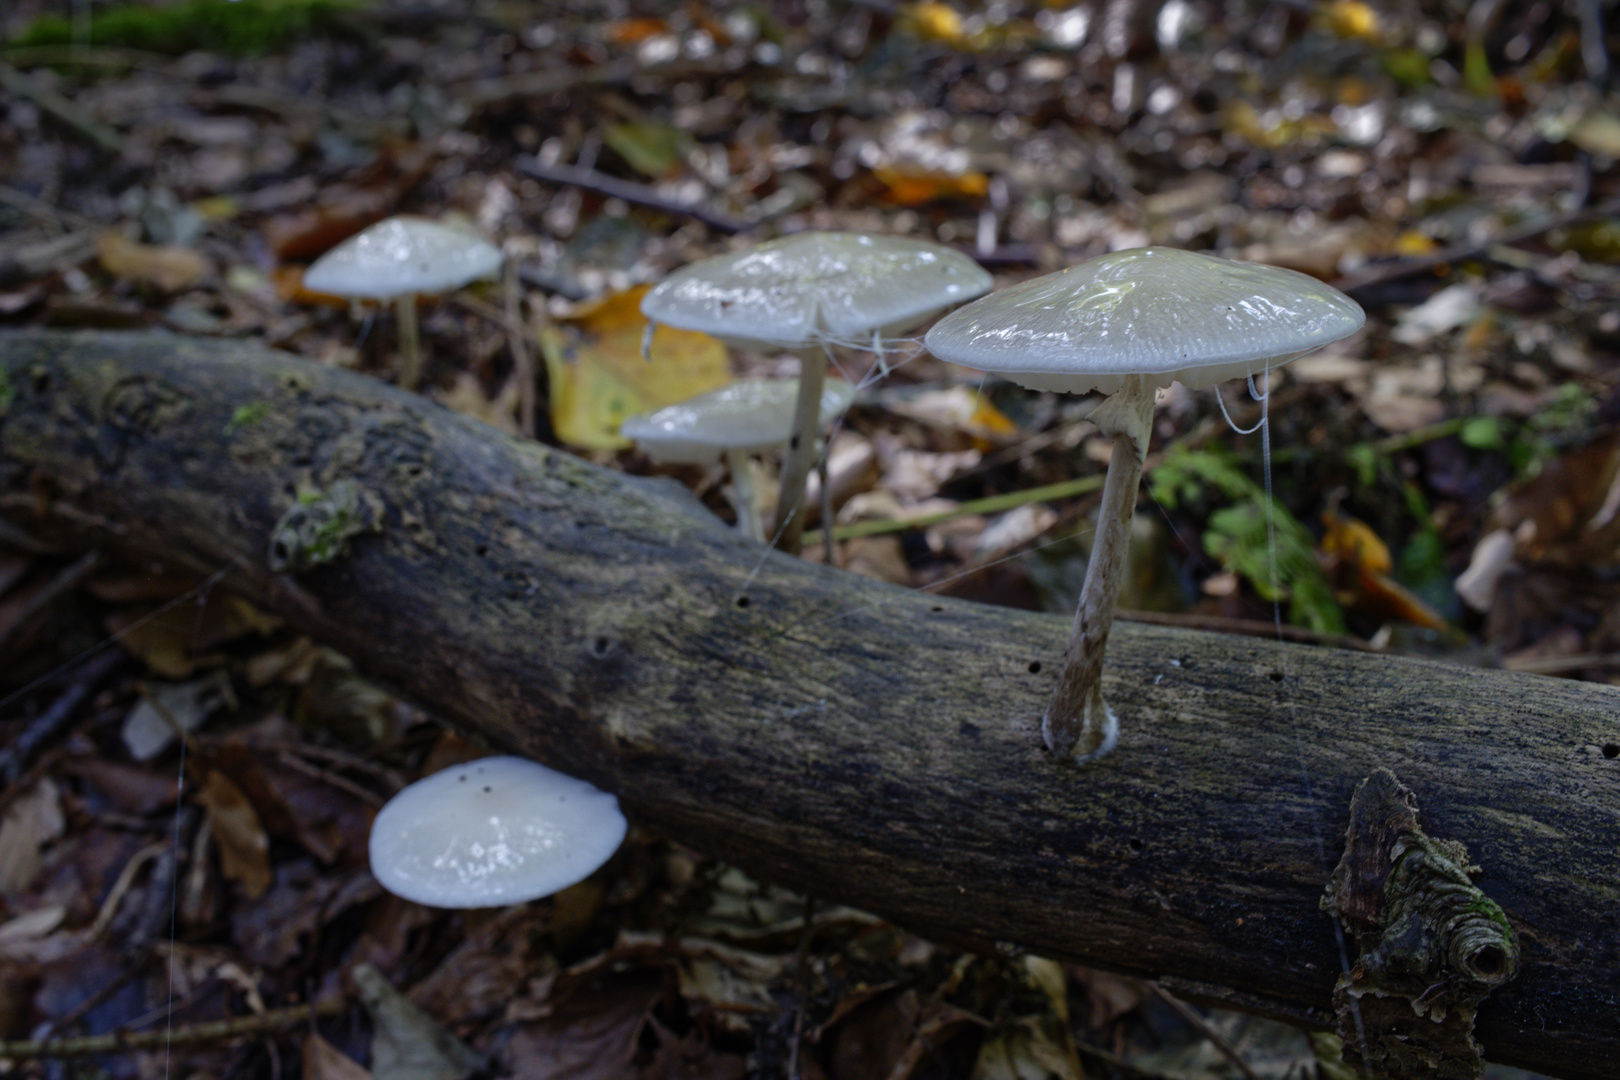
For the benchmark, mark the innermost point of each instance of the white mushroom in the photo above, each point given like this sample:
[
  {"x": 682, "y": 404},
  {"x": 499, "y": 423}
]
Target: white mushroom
[
  {"x": 1126, "y": 324},
  {"x": 743, "y": 418},
  {"x": 498, "y": 831},
  {"x": 396, "y": 259},
  {"x": 805, "y": 293}
]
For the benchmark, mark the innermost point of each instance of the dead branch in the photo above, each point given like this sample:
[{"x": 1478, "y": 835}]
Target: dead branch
[{"x": 866, "y": 744}]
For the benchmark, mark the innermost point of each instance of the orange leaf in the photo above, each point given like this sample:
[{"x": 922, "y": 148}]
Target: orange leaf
[
  {"x": 1354, "y": 541},
  {"x": 1384, "y": 599},
  {"x": 635, "y": 31},
  {"x": 904, "y": 188},
  {"x": 290, "y": 287}
]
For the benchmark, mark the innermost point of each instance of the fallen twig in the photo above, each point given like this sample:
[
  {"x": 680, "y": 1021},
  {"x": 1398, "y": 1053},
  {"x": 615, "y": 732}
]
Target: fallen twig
[
  {"x": 1359, "y": 286},
  {"x": 16, "y": 758},
  {"x": 1189, "y": 1014},
  {"x": 212, "y": 1031},
  {"x": 61, "y": 108},
  {"x": 630, "y": 192},
  {"x": 64, "y": 581}
]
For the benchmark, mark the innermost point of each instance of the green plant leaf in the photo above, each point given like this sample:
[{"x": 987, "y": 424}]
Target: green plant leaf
[
  {"x": 651, "y": 149},
  {"x": 1239, "y": 538},
  {"x": 1483, "y": 433},
  {"x": 1184, "y": 475}
]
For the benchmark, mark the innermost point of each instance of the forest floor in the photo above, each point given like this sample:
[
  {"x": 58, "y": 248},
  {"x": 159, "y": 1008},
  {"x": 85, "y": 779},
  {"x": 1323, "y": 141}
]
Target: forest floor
[{"x": 1446, "y": 481}]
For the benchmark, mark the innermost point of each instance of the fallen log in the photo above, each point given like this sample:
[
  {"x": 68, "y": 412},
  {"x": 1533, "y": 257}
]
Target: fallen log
[{"x": 860, "y": 742}]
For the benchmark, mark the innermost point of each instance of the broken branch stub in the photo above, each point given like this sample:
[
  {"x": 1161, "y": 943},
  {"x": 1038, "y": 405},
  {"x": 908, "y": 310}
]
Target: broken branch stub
[{"x": 1431, "y": 945}]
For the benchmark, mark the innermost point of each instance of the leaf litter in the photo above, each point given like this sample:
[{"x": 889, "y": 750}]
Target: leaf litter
[{"x": 1461, "y": 185}]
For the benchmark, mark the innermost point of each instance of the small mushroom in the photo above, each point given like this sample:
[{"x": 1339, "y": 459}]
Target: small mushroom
[
  {"x": 498, "y": 831},
  {"x": 746, "y": 417},
  {"x": 396, "y": 259},
  {"x": 1126, "y": 324},
  {"x": 805, "y": 293}
]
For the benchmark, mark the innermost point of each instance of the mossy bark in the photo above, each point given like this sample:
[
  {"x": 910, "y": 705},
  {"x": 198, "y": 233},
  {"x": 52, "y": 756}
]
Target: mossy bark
[
  {"x": 865, "y": 743},
  {"x": 1430, "y": 945}
]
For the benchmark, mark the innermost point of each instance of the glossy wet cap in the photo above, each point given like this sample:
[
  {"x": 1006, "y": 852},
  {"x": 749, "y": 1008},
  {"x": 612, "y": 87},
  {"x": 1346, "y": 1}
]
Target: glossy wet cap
[
  {"x": 498, "y": 831},
  {"x": 1170, "y": 314},
  {"x": 402, "y": 255},
  {"x": 753, "y": 415},
  {"x": 816, "y": 287}
]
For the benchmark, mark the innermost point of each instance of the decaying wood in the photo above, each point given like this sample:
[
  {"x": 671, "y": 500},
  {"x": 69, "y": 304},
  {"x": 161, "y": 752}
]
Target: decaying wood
[{"x": 864, "y": 743}]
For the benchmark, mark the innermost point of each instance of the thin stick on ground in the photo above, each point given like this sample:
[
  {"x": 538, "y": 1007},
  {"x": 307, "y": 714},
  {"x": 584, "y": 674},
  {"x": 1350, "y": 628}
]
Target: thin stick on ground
[
  {"x": 1202, "y": 1026},
  {"x": 264, "y": 1023}
]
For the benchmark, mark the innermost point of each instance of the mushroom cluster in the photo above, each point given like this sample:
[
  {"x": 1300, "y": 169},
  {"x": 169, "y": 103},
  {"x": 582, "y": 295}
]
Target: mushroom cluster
[
  {"x": 1125, "y": 325},
  {"x": 804, "y": 294}
]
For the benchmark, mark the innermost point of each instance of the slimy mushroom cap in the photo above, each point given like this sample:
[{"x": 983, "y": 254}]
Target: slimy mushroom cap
[
  {"x": 401, "y": 255},
  {"x": 751, "y": 415},
  {"x": 498, "y": 831},
  {"x": 816, "y": 287},
  {"x": 1171, "y": 315}
]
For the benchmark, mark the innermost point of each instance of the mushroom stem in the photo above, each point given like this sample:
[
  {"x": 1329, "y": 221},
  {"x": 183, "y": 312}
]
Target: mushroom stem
[
  {"x": 742, "y": 495},
  {"x": 1078, "y": 723},
  {"x": 410, "y": 343},
  {"x": 788, "y": 528}
]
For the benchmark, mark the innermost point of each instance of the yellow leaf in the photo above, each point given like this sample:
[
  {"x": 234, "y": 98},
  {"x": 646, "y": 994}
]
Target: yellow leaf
[
  {"x": 218, "y": 207},
  {"x": 933, "y": 21},
  {"x": 1352, "y": 19},
  {"x": 599, "y": 378},
  {"x": 1412, "y": 242}
]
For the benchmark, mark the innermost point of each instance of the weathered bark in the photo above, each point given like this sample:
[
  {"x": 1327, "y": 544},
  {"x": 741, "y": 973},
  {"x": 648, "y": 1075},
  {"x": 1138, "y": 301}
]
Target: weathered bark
[{"x": 864, "y": 743}]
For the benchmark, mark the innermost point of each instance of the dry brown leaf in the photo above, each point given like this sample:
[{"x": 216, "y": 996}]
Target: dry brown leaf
[
  {"x": 161, "y": 640},
  {"x": 1569, "y": 513},
  {"x": 323, "y": 1061},
  {"x": 29, "y": 823},
  {"x": 467, "y": 397},
  {"x": 129, "y": 788},
  {"x": 487, "y": 969},
  {"x": 13, "y": 567},
  {"x": 168, "y": 267},
  {"x": 126, "y": 586},
  {"x": 962, "y": 409},
  {"x": 879, "y": 557},
  {"x": 871, "y": 1039},
  {"x": 406, "y": 1043},
  {"x": 244, "y": 848},
  {"x": 592, "y": 1036}
]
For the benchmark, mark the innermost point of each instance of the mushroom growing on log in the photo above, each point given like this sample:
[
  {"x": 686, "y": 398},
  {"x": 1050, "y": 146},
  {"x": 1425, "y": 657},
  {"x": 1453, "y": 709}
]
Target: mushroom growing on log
[{"x": 1126, "y": 324}]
